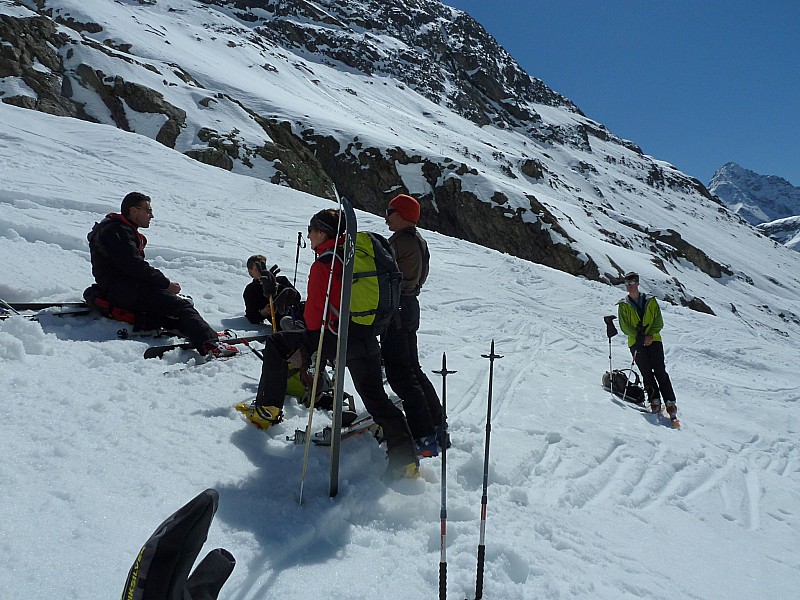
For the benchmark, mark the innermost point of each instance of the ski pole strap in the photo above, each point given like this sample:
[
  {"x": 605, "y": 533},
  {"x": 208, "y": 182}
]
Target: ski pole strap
[{"x": 272, "y": 314}]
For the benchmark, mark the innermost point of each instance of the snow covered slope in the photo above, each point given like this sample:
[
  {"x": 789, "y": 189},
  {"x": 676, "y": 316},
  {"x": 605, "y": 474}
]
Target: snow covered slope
[{"x": 586, "y": 499}]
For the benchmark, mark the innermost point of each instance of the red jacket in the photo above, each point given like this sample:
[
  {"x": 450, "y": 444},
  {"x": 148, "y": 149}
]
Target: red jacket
[{"x": 318, "y": 286}]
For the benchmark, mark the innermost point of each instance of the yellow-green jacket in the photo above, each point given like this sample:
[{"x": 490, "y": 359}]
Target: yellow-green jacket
[{"x": 629, "y": 319}]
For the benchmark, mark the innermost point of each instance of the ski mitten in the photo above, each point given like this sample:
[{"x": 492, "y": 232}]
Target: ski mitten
[{"x": 161, "y": 569}]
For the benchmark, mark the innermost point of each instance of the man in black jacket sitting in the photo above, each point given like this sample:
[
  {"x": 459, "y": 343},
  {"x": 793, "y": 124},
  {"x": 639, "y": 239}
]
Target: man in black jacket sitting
[{"x": 126, "y": 280}]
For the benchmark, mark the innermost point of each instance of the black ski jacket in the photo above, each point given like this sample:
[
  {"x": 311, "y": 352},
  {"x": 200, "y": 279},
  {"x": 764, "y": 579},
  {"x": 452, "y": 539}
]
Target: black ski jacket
[{"x": 117, "y": 254}]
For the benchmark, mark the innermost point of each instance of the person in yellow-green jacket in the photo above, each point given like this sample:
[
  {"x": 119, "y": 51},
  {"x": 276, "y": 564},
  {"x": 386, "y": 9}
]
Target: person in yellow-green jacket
[{"x": 640, "y": 319}]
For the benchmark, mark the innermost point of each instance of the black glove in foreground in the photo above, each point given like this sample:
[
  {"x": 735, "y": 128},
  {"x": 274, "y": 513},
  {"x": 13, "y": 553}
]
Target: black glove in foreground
[{"x": 161, "y": 570}]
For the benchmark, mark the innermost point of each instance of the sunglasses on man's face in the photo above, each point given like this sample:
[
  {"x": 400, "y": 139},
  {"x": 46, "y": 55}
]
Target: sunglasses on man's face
[
  {"x": 390, "y": 211},
  {"x": 629, "y": 283}
]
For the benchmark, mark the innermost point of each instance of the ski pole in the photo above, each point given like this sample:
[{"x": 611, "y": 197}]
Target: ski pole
[
  {"x": 484, "y": 498},
  {"x": 611, "y": 331},
  {"x": 318, "y": 365},
  {"x": 443, "y": 513},
  {"x": 300, "y": 243},
  {"x": 627, "y": 375},
  {"x": 258, "y": 353},
  {"x": 272, "y": 314}
]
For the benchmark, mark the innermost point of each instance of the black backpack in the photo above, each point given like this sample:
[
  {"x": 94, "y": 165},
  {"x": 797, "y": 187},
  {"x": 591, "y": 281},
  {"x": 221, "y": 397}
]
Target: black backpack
[{"x": 619, "y": 384}]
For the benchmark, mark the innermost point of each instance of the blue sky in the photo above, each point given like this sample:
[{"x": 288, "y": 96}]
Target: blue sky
[{"x": 696, "y": 83}]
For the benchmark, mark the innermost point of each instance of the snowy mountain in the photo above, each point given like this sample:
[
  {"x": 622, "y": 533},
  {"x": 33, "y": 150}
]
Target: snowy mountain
[
  {"x": 379, "y": 98},
  {"x": 784, "y": 231},
  {"x": 756, "y": 198},
  {"x": 769, "y": 202}
]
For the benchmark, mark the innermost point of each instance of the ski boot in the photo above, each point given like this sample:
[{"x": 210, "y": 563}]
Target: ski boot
[
  {"x": 262, "y": 417},
  {"x": 427, "y": 446},
  {"x": 672, "y": 411}
]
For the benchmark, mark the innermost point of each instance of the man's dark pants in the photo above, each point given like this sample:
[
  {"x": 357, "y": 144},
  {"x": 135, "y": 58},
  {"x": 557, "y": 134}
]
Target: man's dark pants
[
  {"x": 404, "y": 373},
  {"x": 650, "y": 360},
  {"x": 162, "y": 303}
]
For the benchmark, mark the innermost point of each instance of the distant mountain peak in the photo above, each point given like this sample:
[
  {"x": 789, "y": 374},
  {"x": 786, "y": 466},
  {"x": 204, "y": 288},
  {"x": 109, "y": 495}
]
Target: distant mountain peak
[{"x": 756, "y": 198}]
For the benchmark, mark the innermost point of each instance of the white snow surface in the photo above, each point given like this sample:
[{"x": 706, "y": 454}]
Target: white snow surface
[{"x": 586, "y": 499}]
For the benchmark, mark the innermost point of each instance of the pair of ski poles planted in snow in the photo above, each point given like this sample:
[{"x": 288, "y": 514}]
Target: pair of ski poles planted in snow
[{"x": 484, "y": 496}]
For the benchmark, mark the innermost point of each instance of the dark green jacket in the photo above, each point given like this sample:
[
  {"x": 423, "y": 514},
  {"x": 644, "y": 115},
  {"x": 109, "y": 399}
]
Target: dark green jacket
[{"x": 629, "y": 319}]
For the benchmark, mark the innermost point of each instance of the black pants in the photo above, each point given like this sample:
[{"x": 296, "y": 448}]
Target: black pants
[
  {"x": 364, "y": 364},
  {"x": 404, "y": 373},
  {"x": 650, "y": 360},
  {"x": 161, "y": 303},
  {"x": 275, "y": 370}
]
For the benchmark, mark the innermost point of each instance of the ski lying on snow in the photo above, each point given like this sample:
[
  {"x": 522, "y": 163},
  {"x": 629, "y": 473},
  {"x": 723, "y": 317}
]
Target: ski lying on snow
[
  {"x": 43, "y": 305},
  {"x": 159, "y": 351},
  {"x": 35, "y": 316},
  {"x": 13, "y": 309}
]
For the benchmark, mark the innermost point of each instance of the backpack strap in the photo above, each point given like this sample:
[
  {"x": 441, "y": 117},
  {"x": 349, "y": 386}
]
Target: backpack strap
[{"x": 424, "y": 258}]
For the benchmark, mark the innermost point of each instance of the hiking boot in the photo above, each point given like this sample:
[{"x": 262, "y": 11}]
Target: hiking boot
[
  {"x": 443, "y": 436},
  {"x": 219, "y": 350},
  {"x": 427, "y": 446},
  {"x": 655, "y": 406},
  {"x": 262, "y": 417},
  {"x": 672, "y": 410}
]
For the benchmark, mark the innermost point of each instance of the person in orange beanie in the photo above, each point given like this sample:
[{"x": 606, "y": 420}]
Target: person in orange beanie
[{"x": 399, "y": 342}]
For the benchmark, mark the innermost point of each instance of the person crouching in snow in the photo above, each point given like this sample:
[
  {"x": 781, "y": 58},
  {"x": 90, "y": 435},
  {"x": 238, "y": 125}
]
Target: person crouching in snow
[{"x": 271, "y": 296}]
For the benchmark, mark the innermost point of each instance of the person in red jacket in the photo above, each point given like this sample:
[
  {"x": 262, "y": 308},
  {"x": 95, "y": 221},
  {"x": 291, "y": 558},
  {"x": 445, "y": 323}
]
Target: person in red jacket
[
  {"x": 126, "y": 280},
  {"x": 325, "y": 231}
]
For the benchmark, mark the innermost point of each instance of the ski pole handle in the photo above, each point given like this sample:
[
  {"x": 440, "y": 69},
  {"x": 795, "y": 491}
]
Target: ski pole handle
[{"x": 479, "y": 582}]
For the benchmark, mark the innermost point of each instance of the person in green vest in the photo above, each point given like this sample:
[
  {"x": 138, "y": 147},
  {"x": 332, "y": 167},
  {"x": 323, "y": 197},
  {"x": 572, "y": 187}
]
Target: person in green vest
[{"x": 640, "y": 319}]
